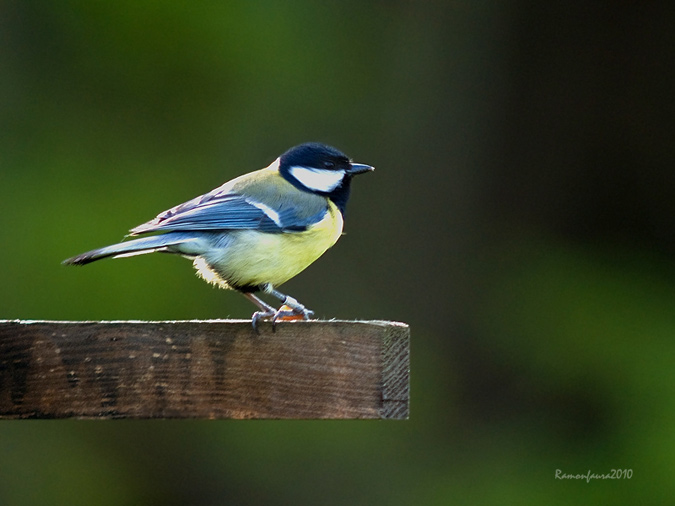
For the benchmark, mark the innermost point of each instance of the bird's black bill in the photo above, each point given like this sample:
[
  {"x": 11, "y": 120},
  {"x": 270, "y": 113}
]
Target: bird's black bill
[{"x": 359, "y": 168}]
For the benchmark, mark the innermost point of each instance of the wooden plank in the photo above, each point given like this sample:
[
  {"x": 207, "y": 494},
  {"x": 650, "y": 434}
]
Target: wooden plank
[{"x": 204, "y": 369}]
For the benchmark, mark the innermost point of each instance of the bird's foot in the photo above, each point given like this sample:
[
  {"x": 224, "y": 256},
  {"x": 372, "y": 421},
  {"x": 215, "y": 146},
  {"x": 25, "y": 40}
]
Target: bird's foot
[
  {"x": 290, "y": 309},
  {"x": 289, "y": 313},
  {"x": 264, "y": 316},
  {"x": 286, "y": 312}
]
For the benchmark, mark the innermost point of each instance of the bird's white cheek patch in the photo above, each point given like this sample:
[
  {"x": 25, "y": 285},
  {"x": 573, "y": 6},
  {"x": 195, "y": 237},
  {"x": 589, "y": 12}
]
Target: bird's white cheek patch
[{"x": 318, "y": 179}]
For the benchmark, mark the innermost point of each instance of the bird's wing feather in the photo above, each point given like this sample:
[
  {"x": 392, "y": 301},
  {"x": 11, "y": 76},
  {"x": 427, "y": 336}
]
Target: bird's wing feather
[{"x": 223, "y": 210}]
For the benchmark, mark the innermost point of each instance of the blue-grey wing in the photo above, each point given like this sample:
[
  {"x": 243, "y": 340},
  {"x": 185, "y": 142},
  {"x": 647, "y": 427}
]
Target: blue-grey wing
[{"x": 230, "y": 211}]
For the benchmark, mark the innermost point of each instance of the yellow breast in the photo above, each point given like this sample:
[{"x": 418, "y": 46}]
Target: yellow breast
[{"x": 254, "y": 258}]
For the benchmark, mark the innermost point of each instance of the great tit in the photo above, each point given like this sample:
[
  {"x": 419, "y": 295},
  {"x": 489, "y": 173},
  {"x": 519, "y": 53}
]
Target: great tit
[{"x": 258, "y": 230}]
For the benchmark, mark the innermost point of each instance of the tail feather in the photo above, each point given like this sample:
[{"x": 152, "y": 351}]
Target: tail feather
[{"x": 129, "y": 248}]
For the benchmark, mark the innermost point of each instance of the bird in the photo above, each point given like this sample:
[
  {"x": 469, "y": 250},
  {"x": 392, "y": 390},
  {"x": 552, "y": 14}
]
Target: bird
[{"x": 257, "y": 231}]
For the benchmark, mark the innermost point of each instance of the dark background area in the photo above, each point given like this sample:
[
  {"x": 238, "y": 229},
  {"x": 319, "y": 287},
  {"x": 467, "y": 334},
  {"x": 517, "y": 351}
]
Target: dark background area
[{"x": 520, "y": 220}]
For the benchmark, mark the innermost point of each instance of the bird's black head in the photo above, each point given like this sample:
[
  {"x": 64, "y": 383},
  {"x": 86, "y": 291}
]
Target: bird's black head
[{"x": 320, "y": 169}]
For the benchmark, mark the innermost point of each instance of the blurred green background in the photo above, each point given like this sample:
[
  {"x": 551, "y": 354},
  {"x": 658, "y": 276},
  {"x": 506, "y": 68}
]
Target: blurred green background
[{"x": 520, "y": 220}]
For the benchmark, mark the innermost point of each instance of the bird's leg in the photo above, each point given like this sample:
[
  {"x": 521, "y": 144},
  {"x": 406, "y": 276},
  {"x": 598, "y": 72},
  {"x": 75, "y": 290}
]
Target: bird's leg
[
  {"x": 266, "y": 311},
  {"x": 287, "y": 300}
]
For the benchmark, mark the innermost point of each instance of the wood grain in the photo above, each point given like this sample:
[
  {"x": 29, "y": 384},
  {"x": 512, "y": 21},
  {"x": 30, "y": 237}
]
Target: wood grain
[{"x": 204, "y": 369}]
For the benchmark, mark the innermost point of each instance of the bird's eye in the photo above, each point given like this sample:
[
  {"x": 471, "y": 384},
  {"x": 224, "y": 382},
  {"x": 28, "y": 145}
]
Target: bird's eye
[{"x": 329, "y": 165}]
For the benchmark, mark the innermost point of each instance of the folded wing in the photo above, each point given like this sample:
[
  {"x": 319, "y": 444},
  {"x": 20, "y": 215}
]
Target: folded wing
[{"x": 231, "y": 211}]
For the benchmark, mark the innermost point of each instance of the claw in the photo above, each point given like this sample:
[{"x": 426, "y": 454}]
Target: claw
[
  {"x": 287, "y": 313},
  {"x": 290, "y": 310},
  {"x": 261, "y": 316},
  {"x": 284, "y": 313}
]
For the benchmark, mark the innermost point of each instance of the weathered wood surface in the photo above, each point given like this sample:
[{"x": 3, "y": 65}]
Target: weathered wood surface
[{"x": 203, "y": 369}]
